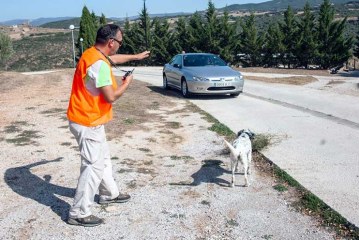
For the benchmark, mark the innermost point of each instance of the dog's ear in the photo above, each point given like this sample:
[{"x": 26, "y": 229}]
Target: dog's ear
[
  {"x": 240, "y": 132},
  {"x": 251, "y": 134}
]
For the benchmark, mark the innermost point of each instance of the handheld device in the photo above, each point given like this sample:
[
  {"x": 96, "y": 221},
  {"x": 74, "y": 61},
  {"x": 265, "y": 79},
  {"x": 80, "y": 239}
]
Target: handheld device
[{"x": 128, "y": 73}]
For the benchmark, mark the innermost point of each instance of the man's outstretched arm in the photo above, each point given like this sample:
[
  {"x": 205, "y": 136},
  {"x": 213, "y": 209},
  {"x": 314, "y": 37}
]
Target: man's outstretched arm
[{"x": 123, "y": 58}]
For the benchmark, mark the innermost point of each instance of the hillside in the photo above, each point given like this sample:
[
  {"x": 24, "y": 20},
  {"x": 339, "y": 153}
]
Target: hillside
[{"x": 277, "y": 5}]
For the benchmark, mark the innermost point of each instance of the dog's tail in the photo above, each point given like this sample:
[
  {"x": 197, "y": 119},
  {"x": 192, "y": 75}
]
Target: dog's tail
[{"x": 229, "y": 146}]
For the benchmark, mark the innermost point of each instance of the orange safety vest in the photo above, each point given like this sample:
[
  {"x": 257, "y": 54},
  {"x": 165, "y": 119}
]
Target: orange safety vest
[{"x": 84, "y": 108}]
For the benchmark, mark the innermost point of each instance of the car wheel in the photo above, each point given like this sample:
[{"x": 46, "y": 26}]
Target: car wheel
[
  {"x": 184, "y": 89},
  {"x": 235, "y": 94},
  {"x": 165, "y": 82}
]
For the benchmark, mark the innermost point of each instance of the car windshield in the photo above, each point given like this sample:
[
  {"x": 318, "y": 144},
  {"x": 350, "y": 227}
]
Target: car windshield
[{"x": 201, "y": 60}]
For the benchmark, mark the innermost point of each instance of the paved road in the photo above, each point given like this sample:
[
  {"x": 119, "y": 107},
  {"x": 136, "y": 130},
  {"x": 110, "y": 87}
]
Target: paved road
[{"x": 317, "y": 133}]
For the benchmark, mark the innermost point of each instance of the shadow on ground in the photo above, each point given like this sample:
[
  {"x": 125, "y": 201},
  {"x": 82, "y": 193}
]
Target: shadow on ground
[
  {"x": 210, "y": 172},
  {"x": 177, "y": 94},
  {"x": 22, "y": 181}
]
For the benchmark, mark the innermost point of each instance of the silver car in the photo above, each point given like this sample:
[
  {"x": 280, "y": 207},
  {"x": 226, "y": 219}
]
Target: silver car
[{"x": 201, "y": 73}]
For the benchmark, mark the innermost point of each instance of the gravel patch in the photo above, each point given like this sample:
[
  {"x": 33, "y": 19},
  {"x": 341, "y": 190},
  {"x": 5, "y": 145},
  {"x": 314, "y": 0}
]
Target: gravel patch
[{"x": 175, "y": 169}]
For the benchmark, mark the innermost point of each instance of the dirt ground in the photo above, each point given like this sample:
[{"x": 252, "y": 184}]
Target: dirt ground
[{"x": 175, "y": 169}]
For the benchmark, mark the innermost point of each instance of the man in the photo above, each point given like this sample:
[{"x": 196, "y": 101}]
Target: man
[{"x": 94, "y": 89}]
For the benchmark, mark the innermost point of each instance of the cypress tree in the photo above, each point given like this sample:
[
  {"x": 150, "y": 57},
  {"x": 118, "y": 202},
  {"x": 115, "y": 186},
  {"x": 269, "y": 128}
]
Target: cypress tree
[
  {"x": 251, "y": 43},
  {"x": 356, "y": 50},
  {"x": 228, "y": 39},
  {"x": 307, "y": 47},
  {"x": 87, "y": 30},
  {"x": 103, "y": 20},
  {"x": 160, "y": 46},
  {"x": 196, "y": 37},
  {"x": 290, "y": 40},
  {"x": 145, "y": 27},
  {"x": 210, "y": 29},
  {"x": 333, "y": 47},
  {"x": 182, "y": 36},
  {"x": 95, "y": 20},
  {"x": 273, "y": 46},
  {"x": 128, "y": 46}
]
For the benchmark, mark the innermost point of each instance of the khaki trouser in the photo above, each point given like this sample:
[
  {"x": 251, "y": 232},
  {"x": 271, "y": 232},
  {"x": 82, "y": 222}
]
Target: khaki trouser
[{"x": 96, "y": 169}]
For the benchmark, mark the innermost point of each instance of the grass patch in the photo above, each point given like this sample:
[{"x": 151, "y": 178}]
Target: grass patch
[
  {"x": 232, "y": 222},
  {"x": 285, "y": 177},
  {"x": 144, "y": 149},
  {"x": 260, "y": 142},
  {"x": 280, "y": 188},
  {"x": 53, "y": 110},
  {"x": 12, "y": 129},
  {"x": 132, "y": 184},
  {"x": 207, "y": 203},
  {"x": 267, "y": 237},
  {"x": 66, "y": 144},
  {"x": 178, "y": 215},
  {"x": 24, "y": 138},
  {"x": 129, "y": 121},
  {"x": 174, "y": 157},
  {"x": 153, "y": 140},
  {"x": 155, "y": 105},
  {"x": 145, "y": 171},
  {"x": 173, "y": 125},
  {"x": 221, "y": 129}
]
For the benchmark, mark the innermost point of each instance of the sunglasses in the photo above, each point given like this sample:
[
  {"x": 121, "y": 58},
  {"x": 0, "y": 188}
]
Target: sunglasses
[{"x": 119, "y": 42}]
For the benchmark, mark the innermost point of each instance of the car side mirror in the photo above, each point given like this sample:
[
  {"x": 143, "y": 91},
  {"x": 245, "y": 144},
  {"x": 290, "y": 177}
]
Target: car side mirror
[{"x": 177, "y": 65}]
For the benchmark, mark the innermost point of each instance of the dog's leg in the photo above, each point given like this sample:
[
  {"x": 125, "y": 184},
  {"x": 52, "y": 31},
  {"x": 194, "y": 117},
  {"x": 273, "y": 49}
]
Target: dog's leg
[
  {"x": 245, "y": 168},
  {"x": 236, "y": 166},
  {"x": 233, "y": 167},
  {"x": 249, "y": 162}
]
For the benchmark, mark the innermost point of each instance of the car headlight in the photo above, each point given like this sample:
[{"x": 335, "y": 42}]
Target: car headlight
[
  {"x": 240, "y": 77},
  {"x": 201, "y": 79}
]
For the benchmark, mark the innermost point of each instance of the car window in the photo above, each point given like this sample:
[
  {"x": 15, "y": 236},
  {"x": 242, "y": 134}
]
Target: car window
[
  {"x": 172, "y": 60},
  {"x": 201, "y": 60},
  {"x": 177, "y": 60}
]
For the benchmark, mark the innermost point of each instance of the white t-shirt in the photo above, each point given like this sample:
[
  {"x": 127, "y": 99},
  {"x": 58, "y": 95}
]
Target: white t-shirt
[{"x": 98, "y": 75}]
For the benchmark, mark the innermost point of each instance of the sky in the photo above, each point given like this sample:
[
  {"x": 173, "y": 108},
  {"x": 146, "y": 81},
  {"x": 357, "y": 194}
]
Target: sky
[{"x": 33, "y": 9}]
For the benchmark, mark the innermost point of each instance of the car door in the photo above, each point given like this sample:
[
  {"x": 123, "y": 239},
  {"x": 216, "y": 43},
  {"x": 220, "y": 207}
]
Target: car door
[
  {"x": 177, "y": 71},
  {"x": 170, "y": 71}
]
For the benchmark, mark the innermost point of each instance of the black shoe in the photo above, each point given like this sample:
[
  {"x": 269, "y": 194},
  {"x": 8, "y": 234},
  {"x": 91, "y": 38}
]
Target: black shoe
[
  {"x": 121, "y": 198},
  {"x": 90, "y": 221}
]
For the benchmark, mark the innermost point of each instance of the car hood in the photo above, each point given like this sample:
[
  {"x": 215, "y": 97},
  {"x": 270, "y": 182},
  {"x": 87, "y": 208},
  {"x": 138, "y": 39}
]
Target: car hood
[{"x": 211, "y": 71}]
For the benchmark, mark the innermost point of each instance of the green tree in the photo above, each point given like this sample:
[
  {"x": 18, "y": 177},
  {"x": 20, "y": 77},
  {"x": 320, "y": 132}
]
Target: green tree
[
  {"x": 95, "y": 20},
  {"x": 145, "y": 27},
  {"x": 196, "y": 38},
  {"x": 228, "y": 43},
  {"x": 182, "y": 36},
  {"x": 289, "y": 30},
  {"x": 307, "y": 46},
  {"x": 6, "y": 49},
  {"x": 251, "y": 43},
  {"x": 210, "y": 28},
  {"x": 128, "y": 45},
  {"x": 273, "y": 46},
  {"x": 87, "y": 30},
  {"x": 103, "y": 20},
  {"x": 356, "y": 51},
  {"x": 161, "y": 42},
  {"x": 333, "y": 47}
]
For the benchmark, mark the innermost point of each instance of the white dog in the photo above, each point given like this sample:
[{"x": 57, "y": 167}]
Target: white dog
[{"x": 241, "y": 150}]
